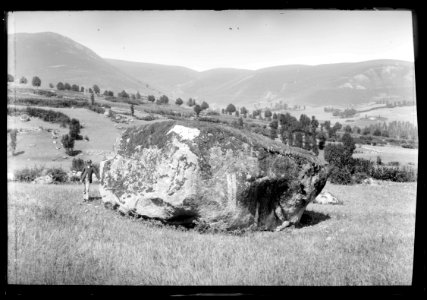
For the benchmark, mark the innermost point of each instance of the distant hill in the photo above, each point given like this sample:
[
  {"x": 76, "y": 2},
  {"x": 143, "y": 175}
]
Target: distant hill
[
  {"x": 55, "y": 58},
  {"x": 330, "y": 84}
]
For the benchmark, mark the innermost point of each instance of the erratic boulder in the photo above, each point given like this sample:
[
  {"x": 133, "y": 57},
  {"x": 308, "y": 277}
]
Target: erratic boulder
[{"x": 186, "y": 171}]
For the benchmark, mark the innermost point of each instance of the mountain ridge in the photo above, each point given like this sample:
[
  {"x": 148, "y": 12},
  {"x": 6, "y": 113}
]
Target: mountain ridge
[{"x": 55, "y": 57}]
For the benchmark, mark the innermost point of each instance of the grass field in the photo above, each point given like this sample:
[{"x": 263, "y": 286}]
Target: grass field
[
  {"x": 387, "y": 154},
  {"x": 405, "y": 114},
  {"x": 54, "y": 240}
]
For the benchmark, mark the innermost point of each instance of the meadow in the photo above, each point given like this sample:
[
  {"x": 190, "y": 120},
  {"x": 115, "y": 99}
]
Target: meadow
[{"x": 52, "y": 239}]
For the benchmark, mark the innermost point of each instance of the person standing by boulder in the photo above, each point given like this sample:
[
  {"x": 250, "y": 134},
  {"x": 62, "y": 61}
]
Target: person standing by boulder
[{"x": 86, "y": 178}]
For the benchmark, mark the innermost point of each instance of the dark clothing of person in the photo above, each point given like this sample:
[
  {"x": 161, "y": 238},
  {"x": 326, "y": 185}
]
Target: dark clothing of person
[{"x": 88, "y": 171}]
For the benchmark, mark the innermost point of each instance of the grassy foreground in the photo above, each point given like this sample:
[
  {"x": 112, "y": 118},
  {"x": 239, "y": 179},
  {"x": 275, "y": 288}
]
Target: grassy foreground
[{"x": 54, "y": 240}]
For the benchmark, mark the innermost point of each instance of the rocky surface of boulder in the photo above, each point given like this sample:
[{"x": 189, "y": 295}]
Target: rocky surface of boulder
[{"x": 186, "y": 171}]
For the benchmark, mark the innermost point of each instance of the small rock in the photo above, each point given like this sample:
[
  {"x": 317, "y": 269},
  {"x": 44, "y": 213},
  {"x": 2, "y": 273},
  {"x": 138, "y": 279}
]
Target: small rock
[
  {"x": 327, "y": 198},
  {"x": 43, "y": 180}
]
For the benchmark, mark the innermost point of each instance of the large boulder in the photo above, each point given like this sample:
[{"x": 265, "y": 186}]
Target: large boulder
[{"x": 186, "y": 171}]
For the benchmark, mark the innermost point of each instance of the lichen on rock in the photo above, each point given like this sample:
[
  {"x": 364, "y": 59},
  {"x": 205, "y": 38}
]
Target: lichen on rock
[{"x": 186, "y": 171}]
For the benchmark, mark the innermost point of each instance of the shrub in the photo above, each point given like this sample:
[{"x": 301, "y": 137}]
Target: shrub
[
  {"x": 212, "y": 113},
  {"x": 47, "y": 102},
  {"x": 147, "y": 118},
  {"x": 44, "y": 93},
  {"x": 361, "y": 165},
  {"x": 405, "y": 174},
  {"x": 28, "y": 174},
  {"x": 77, "y": 164},
  {"x": 48, "y": 115},
  {"x": 359, "y": 177},
  {"x": 68, "y": 143},
  {"x": 207, "y": 119},
  {"x": 58, "y": 175},
  {"x": 340, "y": 175},
  {"x": 74, "y": 129},
  {"x": 409, "y": 146},
  {"x": 337, "y": 155},
  {"x": 96, "y": 109}
]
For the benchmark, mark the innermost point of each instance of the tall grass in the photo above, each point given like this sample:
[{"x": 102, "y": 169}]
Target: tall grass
[{"x": 53, "y": 240}]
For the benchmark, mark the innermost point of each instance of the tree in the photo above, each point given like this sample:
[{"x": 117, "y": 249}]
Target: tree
[
  {"x": 191, "y": 102},
  {"x": 179, "y": 101},
  {"x": 348, "y": 129},
  {"x": 151, "y": 98},
  {"x": 327, "y": 125},
  {"x": 273, "y": 132},
  {"x": 111, "y": 93},
  {"x": 36, "y": 81},
  {"x": 322, "y": 141},
  {"x": 123, "y": 94},
  {"x": 96, "y": 89},
  {"x": 204, "y": 105},
  {"x": 197, "y": 109},
  {"x": 132, "y": 110},
  {"x": 133, "y": 97},
  {"x": 10, "y": 78},
  {"x": 230, "y": 109},
  {"x": 349, "y": 144},
  {"x": 223, "y": 111},
  {"x": 74, "y": 129},
  {"x": 75, "y": 88},
  {"x": 51, "y": 85},
  {"x": 333, "y": 131},
  {"x": 90, "y": 91},
  {"x": 243, "y": 111},
  {"x": 23, "y": 80},
  {"x": 304, "y": 122},
  {"x": 274, "y": 124},
  {"x": 274, "y": 116},
  {"x": 68, "y": 144},
  {"x": 314, "y": 124},
  {"x": 268, "y": 114},
  {"x": 67, "y": 86},
  {"x": 240, "y": 122},
  {"x": 377, "y": 132},
  {"x": 138, "y": 95},
  {"x": 105, "y": 93},
  {"x": 60, "y": 86},
  {"x": 298, "y": 140},
  {"x": 82, "y": 89},
  {"x": 92, "y": 99},
  {"x": 336, "y": 155},
  {"x": 163, "y": 100}
]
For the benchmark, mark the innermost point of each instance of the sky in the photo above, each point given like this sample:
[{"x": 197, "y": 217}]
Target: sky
[{"x": 245, "y": 39}]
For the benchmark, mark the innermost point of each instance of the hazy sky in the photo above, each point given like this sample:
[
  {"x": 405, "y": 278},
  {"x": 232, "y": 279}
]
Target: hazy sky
[{"x": 203, "y": 40}]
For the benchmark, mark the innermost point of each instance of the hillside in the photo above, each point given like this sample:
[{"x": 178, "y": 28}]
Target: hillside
[
  {"x": 331, "y": 84},
  {"x": 55, "y": 58}
]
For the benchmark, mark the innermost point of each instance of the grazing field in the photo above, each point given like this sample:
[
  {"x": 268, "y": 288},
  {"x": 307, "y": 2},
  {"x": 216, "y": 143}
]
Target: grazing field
[
  {"x": 54, "y": 240},
  {"x": 387, "y": 153},
  {"x": 36, "y": 147},
  {"x": 405, "y": 114}
]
